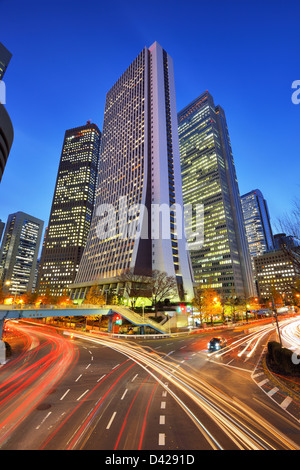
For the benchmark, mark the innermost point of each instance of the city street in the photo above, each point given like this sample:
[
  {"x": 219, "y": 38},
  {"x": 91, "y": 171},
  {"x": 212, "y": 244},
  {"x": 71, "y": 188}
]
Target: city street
[{"x": 96, "y": 393}]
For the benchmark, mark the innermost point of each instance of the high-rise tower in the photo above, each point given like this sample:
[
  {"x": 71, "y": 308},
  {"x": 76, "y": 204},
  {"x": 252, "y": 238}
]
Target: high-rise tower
[
  {"x": 257, "y": 222},
  {"x": 72, "y": 209},
  {"x": 19, "y": 252},
  {"x": 139, "y": 174},
  {"x": 209, "y": 178}
]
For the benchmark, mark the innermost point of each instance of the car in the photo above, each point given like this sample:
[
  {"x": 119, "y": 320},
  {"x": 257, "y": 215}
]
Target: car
[
  {"x": 264, "y": 312},
  {"x": 217, "y": 343}
]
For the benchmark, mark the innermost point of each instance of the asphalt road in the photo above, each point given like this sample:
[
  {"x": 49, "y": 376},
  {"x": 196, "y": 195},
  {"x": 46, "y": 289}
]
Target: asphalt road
[{"x": 89, "y": 393}]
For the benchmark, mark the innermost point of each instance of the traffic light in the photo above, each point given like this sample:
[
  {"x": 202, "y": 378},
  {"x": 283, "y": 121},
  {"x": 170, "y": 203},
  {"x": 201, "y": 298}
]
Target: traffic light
[{"x": 118, "y": 320}]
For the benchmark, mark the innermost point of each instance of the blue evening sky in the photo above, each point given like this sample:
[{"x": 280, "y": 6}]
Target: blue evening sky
[{"x": 68, "y": 53}]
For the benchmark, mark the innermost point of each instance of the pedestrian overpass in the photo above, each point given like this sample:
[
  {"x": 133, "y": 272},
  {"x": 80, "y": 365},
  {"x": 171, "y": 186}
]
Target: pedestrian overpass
[
  {"x": 10, "y": 313},
  {"x": 112, "y": 311}
]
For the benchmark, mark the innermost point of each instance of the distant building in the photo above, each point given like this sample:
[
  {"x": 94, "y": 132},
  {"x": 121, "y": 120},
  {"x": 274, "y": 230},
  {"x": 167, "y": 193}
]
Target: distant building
[
  {"x": 275, "y": 271},
  {"x": 19, "y": 252},
  {"x": 72, "y": 209},
  {"x": 2, "y": 226},
  {"x": 6, "y": 128},
  {"x": 257, "y": 223},
  {"x": 209, "y": 178},
  {"x": 286, "y": 241}
]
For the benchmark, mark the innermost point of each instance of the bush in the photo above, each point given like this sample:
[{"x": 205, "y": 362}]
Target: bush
[{"x": 282, "y": 358}]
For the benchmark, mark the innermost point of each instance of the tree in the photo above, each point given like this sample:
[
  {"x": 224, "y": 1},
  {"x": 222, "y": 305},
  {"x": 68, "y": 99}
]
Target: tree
[
  {"x": 232, "y": 303},
  {"x": 290, "y": 224},
  {"x": 162, "y": 287},
  {"x": 211, "y": 303},
  {"x": 197, "y": 302},
  {"x": 94, "y": 297},
  {"x": 136, "y": 285},
  {"x": 29, "y": 298}
]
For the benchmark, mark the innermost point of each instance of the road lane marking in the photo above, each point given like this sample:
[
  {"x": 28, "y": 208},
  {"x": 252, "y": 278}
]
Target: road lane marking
[
  {"x": 84, "y": 393},
  {"x": 263, "y": 382},
  {"x": 161, "y": 439},
  {"x": 286, "y": 402},
  {"x": 134, "y": 377},
  {"x": 111, "y": 420},
  {"x": 101, "y": 378},
  {"x": 257, "y": 375},
  {"x": 164, "y": 393},
  {"x": 65, "y": 394},
  {"x": 273, "y": 391},
  {"x": 38, "y": 427},
  {"x": 78, "y": 378},
  {"x": 88, "y": 366},
  {"x": 115, "y": 366},
  {"x": 163, "y": 405},
  {"x": 162, "y": 419},
  {"x": 122, "y": 397}
]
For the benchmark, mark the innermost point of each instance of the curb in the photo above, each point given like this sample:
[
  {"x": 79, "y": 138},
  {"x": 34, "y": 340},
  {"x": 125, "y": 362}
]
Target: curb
[{"x": 278, "y": 392}]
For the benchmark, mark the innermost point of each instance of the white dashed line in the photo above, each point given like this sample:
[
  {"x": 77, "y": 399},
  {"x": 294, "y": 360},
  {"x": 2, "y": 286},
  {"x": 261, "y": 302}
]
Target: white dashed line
[
  {"x": 82, "y": 395},
  {"x": 111, "y": 420},
  {"x": 65, "y": 394},
  {"x": 38, "y": 427}
]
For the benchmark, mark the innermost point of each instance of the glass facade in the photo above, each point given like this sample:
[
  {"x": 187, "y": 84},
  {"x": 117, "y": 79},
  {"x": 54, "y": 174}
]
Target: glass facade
[
  {"x": 209, "y": 178},
  {"x": 72, "y": 209},
  {"x": 257, "y": 223}
]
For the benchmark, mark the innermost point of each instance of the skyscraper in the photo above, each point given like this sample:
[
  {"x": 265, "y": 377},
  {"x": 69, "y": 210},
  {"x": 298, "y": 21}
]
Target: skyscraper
[
  {"x": 209, "y": 178},
  {"x": 140, "y": 170},
  {"x": 72, "y": 209},
  {"x": 257, "y": 223},
  {"x": 6, "y": 128},
  {"x": 19, "y": 252}
]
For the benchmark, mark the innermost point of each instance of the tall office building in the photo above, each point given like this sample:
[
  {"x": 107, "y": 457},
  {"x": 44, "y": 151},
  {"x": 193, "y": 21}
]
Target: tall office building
[
  {"x": 6, "y": 128},
  {"x": 19, "y": 252},
  {"x": 257, "y": 223},
  {"x": 72, "y": 209},
  {"x": 209, "y": 178},
  {"x": 140, "y": 170}
]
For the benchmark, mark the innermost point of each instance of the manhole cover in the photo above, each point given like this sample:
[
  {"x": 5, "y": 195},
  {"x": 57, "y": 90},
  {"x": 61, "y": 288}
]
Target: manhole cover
[{"x": 43, "y": 406}]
